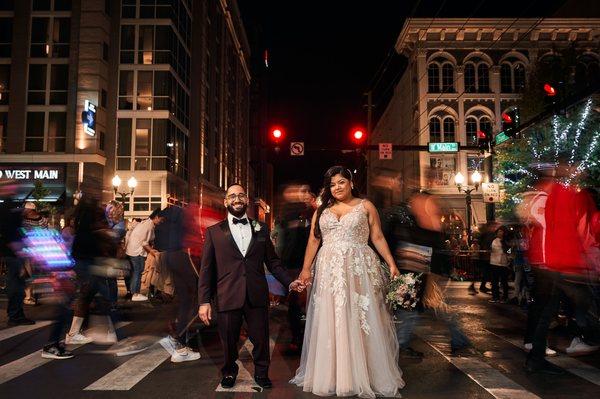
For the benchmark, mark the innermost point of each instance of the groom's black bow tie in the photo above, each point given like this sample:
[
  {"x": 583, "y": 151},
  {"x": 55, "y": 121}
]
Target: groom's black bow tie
[{"x": 242, "y": 221}]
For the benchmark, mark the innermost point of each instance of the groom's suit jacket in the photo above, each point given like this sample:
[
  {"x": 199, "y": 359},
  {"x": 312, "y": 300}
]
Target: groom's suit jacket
[{"x": 230, "y": 277}]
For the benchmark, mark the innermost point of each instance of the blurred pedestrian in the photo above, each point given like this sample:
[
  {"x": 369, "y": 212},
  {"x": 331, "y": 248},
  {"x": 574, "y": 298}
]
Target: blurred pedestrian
[
  {"x": 32, "y": 219},
  {"x": 499, "y": 266},
  {"x": 11, "y": 247},
  {"x": 293, "y": 232},
  {"x": 138, "y": 246}
]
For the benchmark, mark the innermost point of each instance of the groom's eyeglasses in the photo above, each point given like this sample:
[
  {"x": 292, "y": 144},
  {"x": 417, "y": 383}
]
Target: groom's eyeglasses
[{"x": 240, "y": 196}]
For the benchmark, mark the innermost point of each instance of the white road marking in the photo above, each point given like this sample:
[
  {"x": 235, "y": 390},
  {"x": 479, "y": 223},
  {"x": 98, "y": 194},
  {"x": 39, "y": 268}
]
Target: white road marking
[
  {"x": 14, "y": 331},
  {"x": 573, "y": 366},
  {"x": 128, "y": 374},
  {"x": 32, "y": 361},
  {"x": 484, "y": 375}
]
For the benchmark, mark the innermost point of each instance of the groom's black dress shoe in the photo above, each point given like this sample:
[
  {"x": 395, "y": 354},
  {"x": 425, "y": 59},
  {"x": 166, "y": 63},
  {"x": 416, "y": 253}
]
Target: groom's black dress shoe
[
  {"x": 263, "y": 382},
  {"x": 228, "y": 381}
]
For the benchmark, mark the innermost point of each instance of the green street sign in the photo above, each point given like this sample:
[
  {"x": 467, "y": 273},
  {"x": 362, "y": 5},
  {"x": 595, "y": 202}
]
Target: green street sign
[
  {"x": 437, "y": 148},
  {"x": 501, "y": 138}
]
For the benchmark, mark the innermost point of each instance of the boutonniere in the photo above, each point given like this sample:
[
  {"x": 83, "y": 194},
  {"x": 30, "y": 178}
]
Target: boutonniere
[{"x": 256, "y": 226}]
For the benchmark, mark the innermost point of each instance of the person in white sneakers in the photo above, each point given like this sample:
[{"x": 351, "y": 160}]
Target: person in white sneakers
[{"x": 137, "y": 249}]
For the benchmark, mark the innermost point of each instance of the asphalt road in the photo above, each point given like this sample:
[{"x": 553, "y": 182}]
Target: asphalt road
[{"x": 97, "y": 372}]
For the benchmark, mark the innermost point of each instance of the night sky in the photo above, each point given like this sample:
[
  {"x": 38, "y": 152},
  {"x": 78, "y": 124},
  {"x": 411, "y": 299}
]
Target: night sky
[{"x": 323, "y": 55}]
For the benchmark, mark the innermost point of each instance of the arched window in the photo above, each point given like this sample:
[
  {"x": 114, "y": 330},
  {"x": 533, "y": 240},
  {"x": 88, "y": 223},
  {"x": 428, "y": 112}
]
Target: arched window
[
  {"x": 433, "y": 73},
  {"x": 470, "y": 78},
  {"x": 449, "y": 129},
  {"x": 435, "y": 130},
  {"x": 512, "y": 76},
  {"x": 506, "y": 78},
  {"x": 476, "y": 122},
  {"x": 586, "y": 72},
  {"x": 471, "y": 127},
  {"x": 519, "y": 77},
  {"x": 447, "y": 78},
  {"x": 483, "y": 78}
]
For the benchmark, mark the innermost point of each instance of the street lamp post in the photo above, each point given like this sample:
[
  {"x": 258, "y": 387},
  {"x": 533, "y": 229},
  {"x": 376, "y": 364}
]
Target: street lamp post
[
  {"x": 459, "y": 179},
  {"x": 131, "y": 183}
]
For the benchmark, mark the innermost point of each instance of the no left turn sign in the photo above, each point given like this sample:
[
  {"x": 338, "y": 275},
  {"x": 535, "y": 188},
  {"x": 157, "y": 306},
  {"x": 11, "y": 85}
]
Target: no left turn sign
[{"x": 297, "y": 148}]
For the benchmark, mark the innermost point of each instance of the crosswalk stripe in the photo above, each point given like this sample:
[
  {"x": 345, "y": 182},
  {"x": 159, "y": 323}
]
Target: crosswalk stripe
[
  {"x": 573, "y": 366},
  {"x": 128, "y": 374},
  {"x": 245, "y": 381},
  {"x": 30, "y": 362},
  {"x": 484, "y": 375},
  {"x": 14, "y": 331}
]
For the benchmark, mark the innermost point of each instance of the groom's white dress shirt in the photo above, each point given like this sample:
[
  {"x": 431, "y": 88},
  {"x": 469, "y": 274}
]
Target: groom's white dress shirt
[{"x": 242, "y": 233}]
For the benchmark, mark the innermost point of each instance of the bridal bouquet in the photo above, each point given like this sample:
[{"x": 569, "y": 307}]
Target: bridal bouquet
[{"x": 403, "y": 291}]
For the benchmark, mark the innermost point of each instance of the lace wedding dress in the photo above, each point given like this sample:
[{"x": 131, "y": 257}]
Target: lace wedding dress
[{"x": 350, "y": 346}]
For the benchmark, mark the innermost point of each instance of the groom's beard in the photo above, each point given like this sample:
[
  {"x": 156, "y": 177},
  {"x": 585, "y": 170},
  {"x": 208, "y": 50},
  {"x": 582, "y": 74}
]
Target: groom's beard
[{"x": 239, "y": 212}]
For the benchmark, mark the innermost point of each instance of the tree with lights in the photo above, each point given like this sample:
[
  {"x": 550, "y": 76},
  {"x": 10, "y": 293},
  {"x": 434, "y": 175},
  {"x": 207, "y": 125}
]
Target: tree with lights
[{"x": 570, "y": 134}]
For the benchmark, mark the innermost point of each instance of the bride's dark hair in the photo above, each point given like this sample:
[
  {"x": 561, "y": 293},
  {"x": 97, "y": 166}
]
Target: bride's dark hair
[{"x": 327, "y": 199}]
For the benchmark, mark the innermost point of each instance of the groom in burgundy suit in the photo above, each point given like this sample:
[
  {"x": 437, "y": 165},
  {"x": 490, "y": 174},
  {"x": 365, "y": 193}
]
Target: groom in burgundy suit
[{"x": 232, "y": 274}]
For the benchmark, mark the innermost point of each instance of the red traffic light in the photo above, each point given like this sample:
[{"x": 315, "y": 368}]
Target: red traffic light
[
  {"x": 481, "y": 135},
  {"x": 550, "y": 91},
  {"x": 506, "y": 118},
  {"x": 276, "y": 134},
  {"x": 358, "y": 135}
]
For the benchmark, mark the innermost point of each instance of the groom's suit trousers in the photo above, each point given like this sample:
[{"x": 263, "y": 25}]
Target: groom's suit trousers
[{"x": 229, "y": 326}]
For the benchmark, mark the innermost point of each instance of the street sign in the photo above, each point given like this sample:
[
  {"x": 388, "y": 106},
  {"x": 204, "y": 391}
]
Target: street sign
[
  {"x": 443, "y": 147},
  {"x": 385, "y": 150},
  {"x": 297, "y": 148},
  {"x": 501, "y": 138},
  {"x": 491, "y": 192}
]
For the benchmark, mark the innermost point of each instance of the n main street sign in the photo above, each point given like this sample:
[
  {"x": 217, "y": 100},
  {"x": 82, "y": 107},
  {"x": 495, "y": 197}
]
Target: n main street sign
[
  {"x": 501, "y": 138},
  {"x": 440, "y": 148}
]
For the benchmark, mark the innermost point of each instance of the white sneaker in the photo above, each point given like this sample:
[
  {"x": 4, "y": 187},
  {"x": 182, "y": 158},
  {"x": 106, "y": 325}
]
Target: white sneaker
[
  {"x": 184, "y": 354},
  {"x": 170, "y": 344},
  {"x": 578, "y": 347},
  {"x": 549, "y": 352},
  {"x": 77, "y": 339},
  {"x": 139, "y": 298}
]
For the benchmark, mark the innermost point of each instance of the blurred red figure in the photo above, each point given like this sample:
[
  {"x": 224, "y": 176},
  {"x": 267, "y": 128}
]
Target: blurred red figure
[{"x": 568, "y": 212}]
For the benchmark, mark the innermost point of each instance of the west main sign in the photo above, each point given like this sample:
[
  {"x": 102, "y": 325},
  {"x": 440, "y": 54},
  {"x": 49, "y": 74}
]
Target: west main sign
[{"x": 55, "y": 174}]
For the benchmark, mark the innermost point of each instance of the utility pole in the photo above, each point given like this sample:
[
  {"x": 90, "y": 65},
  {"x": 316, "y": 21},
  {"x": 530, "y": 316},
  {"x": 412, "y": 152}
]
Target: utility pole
[{"x": 366, "y": 155}]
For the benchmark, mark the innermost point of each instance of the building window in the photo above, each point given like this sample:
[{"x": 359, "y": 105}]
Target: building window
[
  {"x": 449, "y": 129},
  {"x": 107, "y": 7},
  {"x": 7, "y": 5},
  {"x": 4, "y": 84},
  {"x": 101, "y": 140},
  {"x": 40, "y": 83},
  {"x": 124, "y": 130},
  {"x": 105, "y": 51},
  {"x": 50, "y": 37},
  {"x": 433, "y": 73},
  {"x": 483, "y": 78},
  {"x": 470, "y": 78},
  {"x": 442, "y": 130},
  {"x": 447, "y": 78},
  {"x": 127, "y": 44},
  {"x": 126, "y": 90},
  {"x": 144, "y": 90},
  {"x": 103, "y": 98},
  {"x": 51, "y": 5},
  {"x": 128, "y": 8},
  {"x": 476, "y": 123},
  {"x": 3, "y": 127},
  {"x": 46, "y": 131},
  {"x": 143, "y": 129},
  {"x": 146, "y": 44},
  {"x": 474, "y": 162},
  {"x": 587, "y": 72},
  {"x": 512, "y": 77},
  {"x": 5, "y": 37},
  {"x": 435, "y": 130},
  {"x": 442, "y": 170},
  {"x": 36, "y": 88}
]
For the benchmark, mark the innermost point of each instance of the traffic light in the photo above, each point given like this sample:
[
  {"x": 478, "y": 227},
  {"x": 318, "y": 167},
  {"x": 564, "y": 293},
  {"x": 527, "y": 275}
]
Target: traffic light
[
  {"x": 358, "y": 136},
  {"x": 549, "y": 90},
  {"x": 510, "y": 122},
  {"x": 276, "y": 134},
  {"x": 483, "y": 141}
]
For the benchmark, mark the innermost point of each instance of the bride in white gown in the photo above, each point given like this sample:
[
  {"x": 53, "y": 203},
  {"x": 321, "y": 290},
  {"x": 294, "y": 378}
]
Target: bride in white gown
[{"x": 350, "y": 346}]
